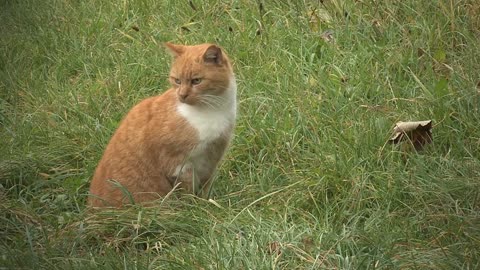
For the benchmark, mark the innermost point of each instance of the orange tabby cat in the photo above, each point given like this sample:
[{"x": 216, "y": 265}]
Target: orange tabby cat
[{"x": 177, "y": 138}]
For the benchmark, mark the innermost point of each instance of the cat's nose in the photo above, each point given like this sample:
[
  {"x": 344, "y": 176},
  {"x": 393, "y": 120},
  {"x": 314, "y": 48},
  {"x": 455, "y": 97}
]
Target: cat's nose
[{"x": 183, "y": 96}]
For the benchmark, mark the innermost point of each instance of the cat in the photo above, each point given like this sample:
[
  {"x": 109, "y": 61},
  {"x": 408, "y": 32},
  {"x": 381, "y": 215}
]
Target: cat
[{"x": 174, "y": 140}]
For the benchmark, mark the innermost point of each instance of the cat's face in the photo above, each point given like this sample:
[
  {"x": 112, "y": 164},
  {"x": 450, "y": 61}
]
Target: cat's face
[{"x": 200, "y": 74}]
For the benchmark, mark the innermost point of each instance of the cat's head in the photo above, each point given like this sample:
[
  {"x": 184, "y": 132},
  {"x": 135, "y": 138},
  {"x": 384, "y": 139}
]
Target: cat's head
[{"x": 200, "y": 74}]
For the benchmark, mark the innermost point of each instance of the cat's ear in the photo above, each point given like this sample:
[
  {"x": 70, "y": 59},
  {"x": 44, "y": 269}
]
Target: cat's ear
[
  {"x": 175, "y": 50},
  {"x": 213, "y": 55}
]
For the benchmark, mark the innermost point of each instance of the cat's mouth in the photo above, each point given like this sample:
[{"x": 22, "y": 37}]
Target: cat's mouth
[{"x": 190, "y": 100}]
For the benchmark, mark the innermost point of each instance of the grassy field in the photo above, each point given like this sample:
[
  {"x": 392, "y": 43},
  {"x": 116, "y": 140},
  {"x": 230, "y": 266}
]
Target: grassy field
[{"x": 310, "y": 181}]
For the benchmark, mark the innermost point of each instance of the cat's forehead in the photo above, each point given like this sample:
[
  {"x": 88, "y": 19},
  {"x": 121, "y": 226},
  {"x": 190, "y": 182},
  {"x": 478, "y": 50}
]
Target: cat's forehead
[
  {"x": 188, "y": 64},
  {"x": 197, "y": 60},
  {"x": 191, "y": 60}
]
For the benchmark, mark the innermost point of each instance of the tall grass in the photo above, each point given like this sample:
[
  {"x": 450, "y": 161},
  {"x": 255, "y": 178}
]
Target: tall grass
[{"x": 310, "y": 180}]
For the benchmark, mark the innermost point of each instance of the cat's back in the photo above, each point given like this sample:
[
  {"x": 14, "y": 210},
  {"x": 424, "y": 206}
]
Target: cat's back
[
  {"x": 156, "y": 108},
  {"x": 149, "y": 123},
  {"x": 148, "y": 134}
]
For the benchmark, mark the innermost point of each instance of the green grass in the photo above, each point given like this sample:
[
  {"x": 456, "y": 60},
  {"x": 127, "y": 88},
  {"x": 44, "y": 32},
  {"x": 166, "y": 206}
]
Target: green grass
[{"x": 310, "y": 181}]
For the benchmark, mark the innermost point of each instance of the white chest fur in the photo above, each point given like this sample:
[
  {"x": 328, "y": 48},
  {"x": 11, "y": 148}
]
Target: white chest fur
[{"x": 211, "y": 122}]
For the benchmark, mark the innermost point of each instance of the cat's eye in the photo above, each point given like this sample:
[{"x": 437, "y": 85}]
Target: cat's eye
[
  {"x": 178, "y": 81},
  {"x": 196, "y": 81}
]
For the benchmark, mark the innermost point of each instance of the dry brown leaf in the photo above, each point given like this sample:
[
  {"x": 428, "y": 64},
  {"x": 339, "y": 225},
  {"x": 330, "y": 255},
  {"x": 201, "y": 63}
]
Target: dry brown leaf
[
  {"x": 418, "y": 133},
  {"x": 274, "y": 248}
]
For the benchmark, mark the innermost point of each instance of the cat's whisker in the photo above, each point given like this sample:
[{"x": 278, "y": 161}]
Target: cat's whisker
[
  {"x": 206, "y": 102},
  {"x": 213, "y": 101},
  {"x": 212, "y": 104}
]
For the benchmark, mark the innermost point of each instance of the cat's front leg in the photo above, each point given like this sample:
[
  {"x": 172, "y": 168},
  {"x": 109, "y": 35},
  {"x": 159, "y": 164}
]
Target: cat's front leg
[{"x": 186, "y": 178}]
